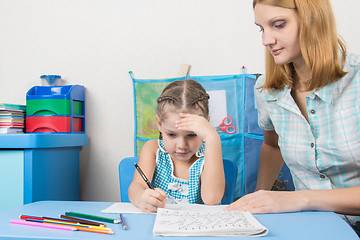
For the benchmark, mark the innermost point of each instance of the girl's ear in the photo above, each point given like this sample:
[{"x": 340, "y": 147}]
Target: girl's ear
[{"x": 158, "y": 122}]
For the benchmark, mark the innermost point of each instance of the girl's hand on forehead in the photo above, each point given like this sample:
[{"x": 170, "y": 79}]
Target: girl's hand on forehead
[{"x": 197, "y": 124}]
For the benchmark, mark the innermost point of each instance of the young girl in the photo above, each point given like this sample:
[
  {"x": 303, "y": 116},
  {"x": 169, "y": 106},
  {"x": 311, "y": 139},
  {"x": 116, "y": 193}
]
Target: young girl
[
  {"x": 309, "y": 111},
  {"x": 176, "y": 164}
]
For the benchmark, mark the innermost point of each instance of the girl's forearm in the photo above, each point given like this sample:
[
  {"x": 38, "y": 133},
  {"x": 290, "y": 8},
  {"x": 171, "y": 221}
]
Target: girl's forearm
[
  {"x": 135, "y": 191},
  {"x": 212, "y": 179}
]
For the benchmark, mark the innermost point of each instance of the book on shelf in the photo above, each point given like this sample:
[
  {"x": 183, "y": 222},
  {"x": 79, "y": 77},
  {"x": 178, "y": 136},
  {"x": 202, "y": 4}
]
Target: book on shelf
[
  {"x": 11, "y": 125},
  {"x": 12, "y": 118},
  {"x": 170, "y": 222},
  {"x": 4, "y": 113},
  {"x": 11, "y": 130},
  {"x": 13, "y": 107}
]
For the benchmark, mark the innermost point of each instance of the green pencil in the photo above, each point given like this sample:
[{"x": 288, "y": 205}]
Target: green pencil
[{"x": 93, "y": 217}]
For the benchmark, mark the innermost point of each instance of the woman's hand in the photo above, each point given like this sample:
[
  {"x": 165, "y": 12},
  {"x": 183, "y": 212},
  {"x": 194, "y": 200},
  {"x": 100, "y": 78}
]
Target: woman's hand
[
  {"x": 152, "y": 199},
  {"x": 263, "y": 201}
]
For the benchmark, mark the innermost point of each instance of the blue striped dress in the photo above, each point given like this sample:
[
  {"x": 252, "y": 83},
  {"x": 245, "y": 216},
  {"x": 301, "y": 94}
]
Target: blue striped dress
[{"x": 177, "y": 189}]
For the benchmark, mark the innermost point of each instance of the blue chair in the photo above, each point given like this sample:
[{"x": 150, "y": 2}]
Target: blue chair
[
  {"x": 126, "y": 174},
  {"x": 127, "y": 169}
]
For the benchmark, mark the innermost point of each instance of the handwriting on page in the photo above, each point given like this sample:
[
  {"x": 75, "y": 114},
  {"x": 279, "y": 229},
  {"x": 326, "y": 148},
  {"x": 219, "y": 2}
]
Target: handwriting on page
[{"x": 202, "y": 221}]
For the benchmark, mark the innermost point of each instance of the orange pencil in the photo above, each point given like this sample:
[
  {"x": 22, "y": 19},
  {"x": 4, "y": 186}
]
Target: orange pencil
[{"x": 94, "y": 230}]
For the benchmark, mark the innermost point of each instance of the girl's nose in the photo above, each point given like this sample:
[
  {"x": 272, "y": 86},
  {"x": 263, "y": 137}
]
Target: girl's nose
[{"x": 182, "y": 143}]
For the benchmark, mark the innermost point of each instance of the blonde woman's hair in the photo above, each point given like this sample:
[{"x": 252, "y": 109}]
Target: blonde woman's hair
[
  {"x": 187, "y": 96},
  {"x": 319, "y": 45}
]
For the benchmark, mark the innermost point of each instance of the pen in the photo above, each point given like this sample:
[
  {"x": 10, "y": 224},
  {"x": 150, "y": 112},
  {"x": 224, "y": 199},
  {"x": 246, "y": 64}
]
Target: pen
[
  {"x": 143, "y": 175},
  {"x": 93, "y": 217},
  {"x": 122, "y": 221}
]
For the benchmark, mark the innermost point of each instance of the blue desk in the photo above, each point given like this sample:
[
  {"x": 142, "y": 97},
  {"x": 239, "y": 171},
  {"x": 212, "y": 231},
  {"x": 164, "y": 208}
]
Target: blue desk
[{"x": 289, "y": 226}]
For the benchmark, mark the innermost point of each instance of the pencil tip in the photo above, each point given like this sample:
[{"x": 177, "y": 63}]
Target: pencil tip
[{"x": 117, "y": 221}]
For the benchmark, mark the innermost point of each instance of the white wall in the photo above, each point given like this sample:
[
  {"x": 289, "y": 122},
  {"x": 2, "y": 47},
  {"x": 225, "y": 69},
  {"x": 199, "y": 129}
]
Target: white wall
[{"x": 96, "y": 42}]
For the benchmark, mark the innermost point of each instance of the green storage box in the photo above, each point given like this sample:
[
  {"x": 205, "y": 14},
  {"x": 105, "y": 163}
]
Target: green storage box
[{"x": 53, "y": 107}]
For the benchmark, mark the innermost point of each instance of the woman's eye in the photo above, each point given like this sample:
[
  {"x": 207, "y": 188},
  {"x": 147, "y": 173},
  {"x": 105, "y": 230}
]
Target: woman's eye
[
  {"x": 192, "y": 135},
  {"x": 279, "y": 24},
  {"x": 171, "y": 134}
]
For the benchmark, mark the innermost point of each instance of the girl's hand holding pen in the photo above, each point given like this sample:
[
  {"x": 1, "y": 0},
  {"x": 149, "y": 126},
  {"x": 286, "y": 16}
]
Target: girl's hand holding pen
[{"x": 152, "y": 199}]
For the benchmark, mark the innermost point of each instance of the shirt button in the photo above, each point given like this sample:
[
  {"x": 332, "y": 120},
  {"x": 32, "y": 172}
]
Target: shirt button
[
  {"x": 312, "y": 145},
  {"x": 312, "y": 111},
  {"x": 322, "y": 176}
]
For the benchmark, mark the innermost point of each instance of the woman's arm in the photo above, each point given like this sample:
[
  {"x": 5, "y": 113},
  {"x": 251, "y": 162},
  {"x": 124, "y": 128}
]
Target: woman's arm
[
  {"x": 148, "y": 200},
  {"x": 343, "y": 201},
  {"x": 270, "y": 162}
]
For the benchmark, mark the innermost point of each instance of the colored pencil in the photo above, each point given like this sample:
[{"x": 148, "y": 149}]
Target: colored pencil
[
  {"x": 67, "y": 223},
  {"x": 122, "y": 221},
  {"x": 92, "y": 217},
  {"x": 46, "y": 225},
  {"x": 25, "y": 217},
  {"x": 83, "y": 221},
  {"x": 70, "y": 221},
  {"x": 94, "y": 230}
]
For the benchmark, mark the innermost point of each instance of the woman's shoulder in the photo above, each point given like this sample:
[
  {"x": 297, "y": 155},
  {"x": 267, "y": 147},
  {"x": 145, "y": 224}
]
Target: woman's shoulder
[
  {"x": 260, "y": 91},
  {"x": 260, "y": 81},
  {"x": 351, "y": 67},
  {"x": 352, "y": 60}
]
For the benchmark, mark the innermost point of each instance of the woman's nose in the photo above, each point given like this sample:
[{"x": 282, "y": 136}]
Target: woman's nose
[{"x": 268, "y": 39}]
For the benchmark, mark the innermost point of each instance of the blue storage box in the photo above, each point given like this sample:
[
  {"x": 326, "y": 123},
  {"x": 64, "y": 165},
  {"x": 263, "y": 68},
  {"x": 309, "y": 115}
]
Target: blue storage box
[{"x": 60, "y": 101}]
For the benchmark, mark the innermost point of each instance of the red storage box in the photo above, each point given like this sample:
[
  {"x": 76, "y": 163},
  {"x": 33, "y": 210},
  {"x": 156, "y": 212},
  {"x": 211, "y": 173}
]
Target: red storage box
[{"x": 53, "y": 124}]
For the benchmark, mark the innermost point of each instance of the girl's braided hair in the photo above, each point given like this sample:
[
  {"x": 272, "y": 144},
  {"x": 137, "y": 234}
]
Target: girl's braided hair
[{"x": 186, "y": 96}]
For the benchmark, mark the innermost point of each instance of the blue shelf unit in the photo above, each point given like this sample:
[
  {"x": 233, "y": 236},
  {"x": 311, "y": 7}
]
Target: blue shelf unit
[{"x": 38, "y": 167}]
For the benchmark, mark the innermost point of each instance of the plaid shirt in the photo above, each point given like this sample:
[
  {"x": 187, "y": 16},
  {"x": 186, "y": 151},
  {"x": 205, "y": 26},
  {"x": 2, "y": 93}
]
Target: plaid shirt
[{"x": 324, "y": 153}]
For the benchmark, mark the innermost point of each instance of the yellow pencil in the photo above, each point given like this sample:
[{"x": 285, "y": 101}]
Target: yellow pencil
[{"x": 70, "y": 224}]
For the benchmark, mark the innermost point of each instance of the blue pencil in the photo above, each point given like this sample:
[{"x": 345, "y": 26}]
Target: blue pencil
[{"x": 122, "y": 221}]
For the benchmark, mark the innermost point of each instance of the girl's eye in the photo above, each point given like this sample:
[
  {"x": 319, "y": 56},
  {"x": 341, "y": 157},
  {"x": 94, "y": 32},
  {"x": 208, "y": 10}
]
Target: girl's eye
[
  {"x": 279, "y": 24},
  {"x": 261, "y": 29},
  {"x": 171, "y": 135},
  {"x": 192, "y": 135}
]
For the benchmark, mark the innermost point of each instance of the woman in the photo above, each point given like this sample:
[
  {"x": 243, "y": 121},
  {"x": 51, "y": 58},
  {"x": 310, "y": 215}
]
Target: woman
[{"x": 308, "y": 110}]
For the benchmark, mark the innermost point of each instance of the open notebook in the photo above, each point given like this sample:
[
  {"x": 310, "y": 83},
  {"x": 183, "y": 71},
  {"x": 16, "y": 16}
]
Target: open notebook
[{"x": 171, "y": 222}]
